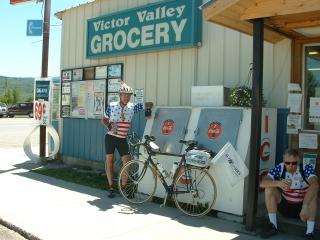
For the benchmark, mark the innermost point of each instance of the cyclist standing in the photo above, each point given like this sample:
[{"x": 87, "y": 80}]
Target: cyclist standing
[{"x": 117, "y": 119}]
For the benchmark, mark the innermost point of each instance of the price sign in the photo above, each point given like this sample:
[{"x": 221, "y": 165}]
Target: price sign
[
  {"x": 41, "y": 105},
  {"x": 41, "y": 112}
]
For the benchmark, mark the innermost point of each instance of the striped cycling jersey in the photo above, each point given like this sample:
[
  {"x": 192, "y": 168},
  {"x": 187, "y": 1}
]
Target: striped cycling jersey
[
  {"x": 120, "y": 118},
  {"x": 299, "y": 187}
]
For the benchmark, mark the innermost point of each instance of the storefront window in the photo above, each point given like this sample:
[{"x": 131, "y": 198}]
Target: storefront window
[{"x": 312, "y": 87}]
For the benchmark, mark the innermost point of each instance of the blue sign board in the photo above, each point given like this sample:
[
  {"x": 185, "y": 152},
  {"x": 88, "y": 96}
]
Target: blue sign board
[
  {"x": 34, "y": 27},
  {"x": 42, "y": 90},
  {"x": 163, "y": 25}
]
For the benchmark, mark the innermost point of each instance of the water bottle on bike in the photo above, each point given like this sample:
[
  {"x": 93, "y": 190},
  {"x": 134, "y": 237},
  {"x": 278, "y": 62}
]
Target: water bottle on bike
[
  {"x": 162, "y": 170},
  {"x": 174, "y": 169}
]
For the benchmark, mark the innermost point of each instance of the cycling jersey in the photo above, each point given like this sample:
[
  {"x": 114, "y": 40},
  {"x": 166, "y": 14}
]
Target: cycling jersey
[
  {"x": 299, "y": 187},
  {"x": 120, "y": 118}
]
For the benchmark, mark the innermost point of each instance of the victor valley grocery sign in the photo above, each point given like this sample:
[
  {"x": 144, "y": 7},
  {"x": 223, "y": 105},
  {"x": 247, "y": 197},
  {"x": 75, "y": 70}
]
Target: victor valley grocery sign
[{"x": 167, "y": 24}]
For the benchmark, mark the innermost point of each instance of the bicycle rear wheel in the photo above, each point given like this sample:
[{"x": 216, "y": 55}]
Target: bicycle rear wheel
[
  {"x": 137, "y": 181},
  {"x": 195, "y": 191}
]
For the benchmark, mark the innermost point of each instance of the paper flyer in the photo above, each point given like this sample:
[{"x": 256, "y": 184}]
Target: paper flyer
[
  {"x": 293, "y": 123},
  {"x": 308, "y": 140},
  {"x": 314, "y": 110},
  {"x": 294, "y": 87},
  {"x": 310, "y": 158},
  {"x": 294, "y": 102}
]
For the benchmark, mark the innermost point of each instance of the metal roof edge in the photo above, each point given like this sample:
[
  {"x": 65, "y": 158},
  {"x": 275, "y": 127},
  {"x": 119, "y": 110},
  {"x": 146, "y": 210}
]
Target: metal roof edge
[
  {"x": 207, "y": 4},
  {"x": 59, "y": 13}
]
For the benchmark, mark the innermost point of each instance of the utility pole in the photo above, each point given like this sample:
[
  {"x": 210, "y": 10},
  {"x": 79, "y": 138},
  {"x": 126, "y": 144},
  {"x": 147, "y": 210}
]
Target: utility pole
[{"x": 44, "y": 67}]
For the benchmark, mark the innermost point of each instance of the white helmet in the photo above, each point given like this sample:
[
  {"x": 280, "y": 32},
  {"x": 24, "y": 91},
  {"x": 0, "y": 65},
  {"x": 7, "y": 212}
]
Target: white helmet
[{"x": 124, "y": 88}]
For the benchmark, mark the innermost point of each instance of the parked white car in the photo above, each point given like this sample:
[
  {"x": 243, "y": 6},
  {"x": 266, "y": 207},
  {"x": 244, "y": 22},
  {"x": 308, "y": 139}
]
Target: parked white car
[{"x": 3, "y": 110}]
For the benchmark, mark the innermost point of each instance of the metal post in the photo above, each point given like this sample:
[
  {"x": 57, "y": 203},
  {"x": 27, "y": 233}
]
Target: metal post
[
  {"x": 44, "y": 67},
  {"x": 257, "y": 83}
]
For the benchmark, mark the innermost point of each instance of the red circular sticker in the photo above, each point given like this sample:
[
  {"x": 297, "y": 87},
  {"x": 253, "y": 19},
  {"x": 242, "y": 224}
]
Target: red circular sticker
[
  {"x": 168, "y": 127},
  {"x": 265, "y": 150},
  {"x": 214, "y": 130}
]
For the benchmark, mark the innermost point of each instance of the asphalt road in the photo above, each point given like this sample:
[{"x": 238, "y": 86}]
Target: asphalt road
[{"x": 13, "y": 131}]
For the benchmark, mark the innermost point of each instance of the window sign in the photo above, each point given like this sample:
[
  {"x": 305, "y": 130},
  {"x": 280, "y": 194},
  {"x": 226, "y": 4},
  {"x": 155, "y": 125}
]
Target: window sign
[
  {"x": 113, "y": 97},
  {"x": 153, "y": 27},
  {"x": 101, "y": 72},
  {"x": 115, "y": 71},
  {"x": 139, "y": 96},
  {"x": 78, "y": 99},
  {"x": 66, "y": 88},
  {"x": 65, "y": 111},
  {"x": 312, "y": 88},
  {"x": 114, "y": 85},
  {"x": 66, "y": 75},
  {"x": 65, "y": 99},
  {"x": 77, "y": 74}
]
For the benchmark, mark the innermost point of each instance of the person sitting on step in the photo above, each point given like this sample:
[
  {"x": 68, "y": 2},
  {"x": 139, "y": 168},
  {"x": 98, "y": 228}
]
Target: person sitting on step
[{"x": 292, "y": 190}]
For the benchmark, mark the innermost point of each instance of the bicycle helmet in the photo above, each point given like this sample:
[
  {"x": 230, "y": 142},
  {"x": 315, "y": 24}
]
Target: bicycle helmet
[{"x": 124, "y": 88}]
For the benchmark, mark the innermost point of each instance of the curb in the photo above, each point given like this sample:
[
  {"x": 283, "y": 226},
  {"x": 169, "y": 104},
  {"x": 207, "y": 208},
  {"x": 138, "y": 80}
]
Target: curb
[{"x": 18, "y": 230}]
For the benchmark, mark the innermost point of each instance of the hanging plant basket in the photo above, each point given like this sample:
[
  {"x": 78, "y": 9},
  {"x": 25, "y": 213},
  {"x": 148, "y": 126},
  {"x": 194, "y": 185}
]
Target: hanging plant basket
[{"x": 241, "y": 96}]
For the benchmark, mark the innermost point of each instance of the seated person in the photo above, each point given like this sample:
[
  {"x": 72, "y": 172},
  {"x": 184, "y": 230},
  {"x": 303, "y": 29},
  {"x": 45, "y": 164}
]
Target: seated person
[{"x": 292, "y": 189}]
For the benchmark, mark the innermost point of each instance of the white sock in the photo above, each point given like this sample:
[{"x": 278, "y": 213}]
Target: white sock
[
  {"x": 310, "y": 227},
  {"x": 273, "y": 219}
]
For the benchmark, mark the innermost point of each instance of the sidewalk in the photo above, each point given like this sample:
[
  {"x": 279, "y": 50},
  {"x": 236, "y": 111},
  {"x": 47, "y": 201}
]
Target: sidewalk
[{"x": 52, "y": 209}]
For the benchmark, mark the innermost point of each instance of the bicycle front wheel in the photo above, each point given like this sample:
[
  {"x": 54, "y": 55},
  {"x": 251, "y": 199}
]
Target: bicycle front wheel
[
  {"x": 137, "y": 181},
  {"x": 195, "y": 191}
]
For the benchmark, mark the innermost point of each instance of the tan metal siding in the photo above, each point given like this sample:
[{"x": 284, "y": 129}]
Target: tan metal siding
[
  {"x": 167, "y": 76},
  {"x": 88, "y": 14},
  {"x": 80, "y": 48},
  {"x": 282, "y": 73}
]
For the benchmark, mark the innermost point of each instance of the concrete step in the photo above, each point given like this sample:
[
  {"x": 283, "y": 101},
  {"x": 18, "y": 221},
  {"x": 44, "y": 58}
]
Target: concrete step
[{"x": 287, "y": 225}]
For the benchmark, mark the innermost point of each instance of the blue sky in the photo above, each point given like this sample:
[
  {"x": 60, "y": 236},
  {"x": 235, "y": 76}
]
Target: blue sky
[{"x": 20, "y": 56}]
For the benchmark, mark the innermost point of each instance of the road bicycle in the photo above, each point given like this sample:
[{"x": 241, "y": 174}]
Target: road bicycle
[{"x": 193, "y": 188}]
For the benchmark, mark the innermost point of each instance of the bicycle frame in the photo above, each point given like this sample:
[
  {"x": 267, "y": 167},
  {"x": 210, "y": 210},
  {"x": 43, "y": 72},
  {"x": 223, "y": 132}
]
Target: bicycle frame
[
  {"x": 182, "y": 163},
  {"x": 168, "y": 188},
  {"x": 189, "y": 185}
]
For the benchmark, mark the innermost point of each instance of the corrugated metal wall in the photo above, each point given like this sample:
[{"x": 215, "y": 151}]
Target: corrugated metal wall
[
  {"x": 84, "y": 139},
  {"x": 168, "y": 76}
]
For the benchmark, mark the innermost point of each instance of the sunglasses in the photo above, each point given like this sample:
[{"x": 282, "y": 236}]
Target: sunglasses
[{"x": 291, "y": 163}]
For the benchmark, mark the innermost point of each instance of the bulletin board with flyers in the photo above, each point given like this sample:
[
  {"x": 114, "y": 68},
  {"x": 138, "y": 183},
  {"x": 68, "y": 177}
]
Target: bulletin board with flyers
[{"x": 84, "y": 90}]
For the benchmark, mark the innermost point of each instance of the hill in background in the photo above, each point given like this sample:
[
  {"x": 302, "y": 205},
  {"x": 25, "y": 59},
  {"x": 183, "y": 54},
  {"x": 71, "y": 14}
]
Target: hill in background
[{"x": 25, "y": 86}]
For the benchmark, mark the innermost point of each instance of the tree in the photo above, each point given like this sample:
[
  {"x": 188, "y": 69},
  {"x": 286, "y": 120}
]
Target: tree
[
  {"x": 15, "y": 95},
  {"x": 10, "y": 96},
  {"x": 29, "y": 99}
]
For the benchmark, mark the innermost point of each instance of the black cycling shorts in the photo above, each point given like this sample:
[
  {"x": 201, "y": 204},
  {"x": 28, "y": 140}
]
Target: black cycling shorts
[
  {"x": 111, "y": 143},
  {"x": 290, "y": 210}
]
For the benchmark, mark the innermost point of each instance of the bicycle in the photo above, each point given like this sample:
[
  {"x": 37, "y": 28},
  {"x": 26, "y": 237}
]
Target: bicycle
[{"x": 193, "y": 188}]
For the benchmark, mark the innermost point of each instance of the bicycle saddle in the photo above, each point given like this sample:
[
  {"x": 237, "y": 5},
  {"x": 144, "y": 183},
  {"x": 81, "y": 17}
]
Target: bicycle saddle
[
  {"x": 150, "y": 138},
  {"x": 189, "y": 142}
]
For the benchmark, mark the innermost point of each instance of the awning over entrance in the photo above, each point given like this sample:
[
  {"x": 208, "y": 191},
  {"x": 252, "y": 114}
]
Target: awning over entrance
[{"x": 297, "y": 19}]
